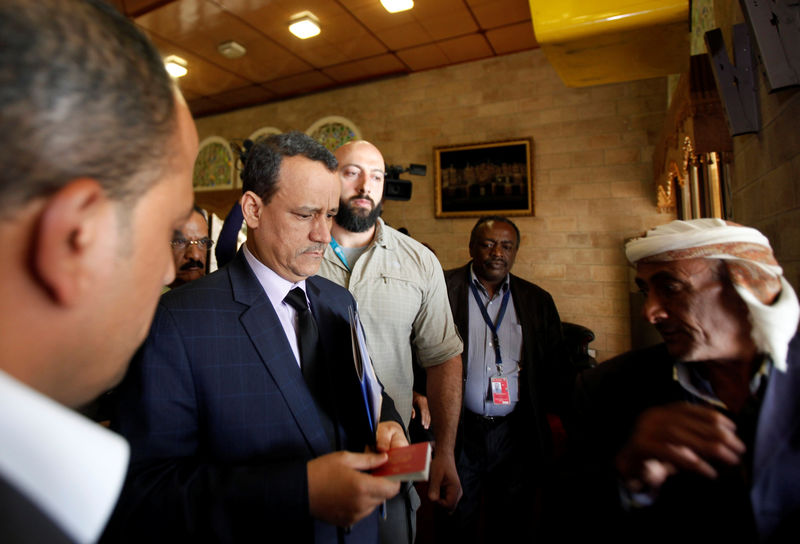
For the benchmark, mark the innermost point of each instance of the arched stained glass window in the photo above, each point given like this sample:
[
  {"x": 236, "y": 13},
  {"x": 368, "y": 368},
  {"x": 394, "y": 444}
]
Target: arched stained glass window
[
  {"x": 213, "y": 168},
  {"x": 264, "y": 132},
  {"x": 334, "y": 131}
]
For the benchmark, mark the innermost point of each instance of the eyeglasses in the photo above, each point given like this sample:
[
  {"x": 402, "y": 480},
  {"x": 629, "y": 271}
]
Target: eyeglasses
[{"x": 182, "y": 243}]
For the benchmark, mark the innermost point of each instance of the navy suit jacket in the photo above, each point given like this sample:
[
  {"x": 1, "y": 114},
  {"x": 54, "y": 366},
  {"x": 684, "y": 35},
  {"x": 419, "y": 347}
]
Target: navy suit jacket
[
  {"x": 23, "y": 522},
  {"x": 610, "y": 397},
  {"x": 220, "y": 420}
]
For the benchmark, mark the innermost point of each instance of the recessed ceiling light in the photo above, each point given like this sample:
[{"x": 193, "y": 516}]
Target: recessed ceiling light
[
  {"x": 176, "y": 66},
  {"x": 231, "y": 49},
  {"x": 394, "y": 6},
  {"x": 304, "y": 25}
]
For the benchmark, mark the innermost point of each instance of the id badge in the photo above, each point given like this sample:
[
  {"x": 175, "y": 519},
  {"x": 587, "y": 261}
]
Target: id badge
[{"x": 499, "y": 385}]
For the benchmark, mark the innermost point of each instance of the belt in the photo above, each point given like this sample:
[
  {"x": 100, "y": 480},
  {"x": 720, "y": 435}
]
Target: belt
[{"x": 484, "y": 421}]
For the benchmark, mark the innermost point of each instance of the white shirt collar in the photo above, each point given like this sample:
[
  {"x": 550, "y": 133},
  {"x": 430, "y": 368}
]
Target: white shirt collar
[
  {"x": 70, "y": 467},
  {"x": 276, "y": 289},
  {"x": 274, "y": 285},
  {"x": 691, "y": 381}
]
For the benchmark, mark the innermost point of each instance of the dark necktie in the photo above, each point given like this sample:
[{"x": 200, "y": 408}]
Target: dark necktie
[
  {"x": 310, "y": 362},
  {"x": 307, "y": 334}
]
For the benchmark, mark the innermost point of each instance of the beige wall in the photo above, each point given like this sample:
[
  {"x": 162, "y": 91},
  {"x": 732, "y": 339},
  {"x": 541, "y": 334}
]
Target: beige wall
[
  {"x": 592, "y": 167},
  {"x": 766, "y": 177}
]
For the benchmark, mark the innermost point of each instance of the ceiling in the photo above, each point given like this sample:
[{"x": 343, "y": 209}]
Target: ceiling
[{"x": 359, "y": 41}]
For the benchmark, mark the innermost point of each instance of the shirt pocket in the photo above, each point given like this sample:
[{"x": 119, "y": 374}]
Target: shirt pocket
[{"x": 391, "y": 299}]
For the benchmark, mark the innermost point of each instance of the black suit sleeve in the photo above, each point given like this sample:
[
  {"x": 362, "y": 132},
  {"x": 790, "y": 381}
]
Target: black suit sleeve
[{"x": 552, "y": 376}]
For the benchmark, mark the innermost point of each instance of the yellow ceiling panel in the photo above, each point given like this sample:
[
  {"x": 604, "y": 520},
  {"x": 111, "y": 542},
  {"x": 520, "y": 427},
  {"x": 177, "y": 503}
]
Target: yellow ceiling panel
[{"x": 592, "y": 42}]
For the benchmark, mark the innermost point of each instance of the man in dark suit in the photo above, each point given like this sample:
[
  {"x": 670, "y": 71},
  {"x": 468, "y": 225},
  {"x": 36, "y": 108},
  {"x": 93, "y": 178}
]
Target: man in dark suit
[
  {"x": 697, "y": 439},
  {"x": 516, "y": 372},
  {"x": 95, "y": 175},
  {"x": 231, "y": 440}
]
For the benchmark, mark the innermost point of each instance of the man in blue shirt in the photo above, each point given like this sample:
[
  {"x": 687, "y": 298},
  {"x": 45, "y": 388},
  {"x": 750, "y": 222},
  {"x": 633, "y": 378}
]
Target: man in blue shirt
[{"x": 516, "y": 372}]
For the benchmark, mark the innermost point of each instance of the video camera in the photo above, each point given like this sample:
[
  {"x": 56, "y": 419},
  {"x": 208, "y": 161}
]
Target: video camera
[{"x": 400, "y": 189}]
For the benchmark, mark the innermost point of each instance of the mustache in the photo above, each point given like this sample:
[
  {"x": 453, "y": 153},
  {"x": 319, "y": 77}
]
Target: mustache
[
  {"x": 192, "y": 263},
  {"x": 361, "y": 197},
  {"x": 314, "y": 248}
]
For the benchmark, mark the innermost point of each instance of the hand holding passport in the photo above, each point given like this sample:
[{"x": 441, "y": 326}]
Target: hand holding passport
[{"x": 407, "y": 464}]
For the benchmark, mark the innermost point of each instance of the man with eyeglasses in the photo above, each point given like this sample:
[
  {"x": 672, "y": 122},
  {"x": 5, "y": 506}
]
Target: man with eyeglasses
[
  {"x": 516, "y": 372},
  {"x": 190, "y": 247}
]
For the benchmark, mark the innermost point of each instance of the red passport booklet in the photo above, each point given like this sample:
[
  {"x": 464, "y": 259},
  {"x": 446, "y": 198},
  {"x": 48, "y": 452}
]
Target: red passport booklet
[{"x": 407, "y": 464}]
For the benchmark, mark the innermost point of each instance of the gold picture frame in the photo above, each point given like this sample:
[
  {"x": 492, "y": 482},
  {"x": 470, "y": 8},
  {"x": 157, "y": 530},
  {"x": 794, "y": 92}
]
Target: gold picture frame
[{"x": 492, "y": 178}]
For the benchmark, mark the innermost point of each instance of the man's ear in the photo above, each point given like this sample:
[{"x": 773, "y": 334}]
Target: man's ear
[
  {"x": 251, "y": 208},
  {"x": 72, "y": 223}
]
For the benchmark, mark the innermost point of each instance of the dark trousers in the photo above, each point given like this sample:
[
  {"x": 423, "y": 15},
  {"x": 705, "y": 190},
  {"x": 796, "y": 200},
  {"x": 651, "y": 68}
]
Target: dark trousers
[{"x": 499, "y": 495}]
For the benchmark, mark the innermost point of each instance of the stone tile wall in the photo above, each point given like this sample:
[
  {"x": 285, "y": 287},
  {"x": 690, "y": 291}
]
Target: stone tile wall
[{"x": 592, "y": 170}]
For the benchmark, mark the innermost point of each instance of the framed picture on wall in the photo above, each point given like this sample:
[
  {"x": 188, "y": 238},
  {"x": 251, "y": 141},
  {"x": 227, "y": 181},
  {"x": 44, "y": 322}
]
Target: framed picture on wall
[
  {"x": 484, "y": 179},
  {"x": 213, "y": 168}
]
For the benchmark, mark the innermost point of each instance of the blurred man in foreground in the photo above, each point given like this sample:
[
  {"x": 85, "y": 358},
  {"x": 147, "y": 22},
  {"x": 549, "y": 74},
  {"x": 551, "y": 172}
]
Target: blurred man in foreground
[{"x": 95, "y": 176}]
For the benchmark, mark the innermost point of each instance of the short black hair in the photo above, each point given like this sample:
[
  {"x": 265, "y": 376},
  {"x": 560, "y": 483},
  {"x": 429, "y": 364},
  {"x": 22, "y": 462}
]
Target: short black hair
[
  {"x": 263, "y": 162},
  {"x": 201, "y": 211},
  {"x": 489, "y": 219},
  {"x": 83, "y": 93}
]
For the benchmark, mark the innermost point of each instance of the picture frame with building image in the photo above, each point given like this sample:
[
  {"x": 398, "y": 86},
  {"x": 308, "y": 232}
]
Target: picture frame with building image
[{"x": 484, "y": 179}]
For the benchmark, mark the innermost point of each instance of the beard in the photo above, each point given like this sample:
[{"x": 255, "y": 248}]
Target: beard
[{"x": 355, "y": 219}]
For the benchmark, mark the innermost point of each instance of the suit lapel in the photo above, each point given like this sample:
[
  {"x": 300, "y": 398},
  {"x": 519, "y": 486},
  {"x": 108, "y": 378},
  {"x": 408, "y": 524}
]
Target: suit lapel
[
  {"x": 313, "y": 293},
  {"x": 262, "y": 325}
]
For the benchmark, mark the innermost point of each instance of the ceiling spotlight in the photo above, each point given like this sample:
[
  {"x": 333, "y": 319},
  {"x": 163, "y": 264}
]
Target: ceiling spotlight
[
  {"x": 395, "y": 6},
  {"x": 176, "y": 66},
  {"x": 304, "y": 25},
  {"x": 231, "y": 49}
]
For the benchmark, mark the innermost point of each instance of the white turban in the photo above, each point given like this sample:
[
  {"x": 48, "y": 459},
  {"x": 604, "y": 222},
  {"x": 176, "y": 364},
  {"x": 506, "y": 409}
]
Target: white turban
[{"x": 756, "y": 275}]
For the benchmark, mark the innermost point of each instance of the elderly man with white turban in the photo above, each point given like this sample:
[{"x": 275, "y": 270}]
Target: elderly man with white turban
[{"x": 698, "y": 438}]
